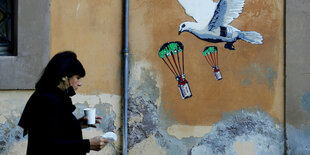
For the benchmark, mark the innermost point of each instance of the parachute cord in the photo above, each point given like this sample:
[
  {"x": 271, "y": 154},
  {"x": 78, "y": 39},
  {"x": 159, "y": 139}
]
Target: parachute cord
[
  {"x": 171, "y": 65},
  {"x": 208, "y": 60},
  {"x": 183, "y": 61},
  {"x": 175, "y": 63}
]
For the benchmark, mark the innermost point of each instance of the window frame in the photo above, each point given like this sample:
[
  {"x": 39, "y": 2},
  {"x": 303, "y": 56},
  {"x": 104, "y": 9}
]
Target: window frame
[{"x": 32, "y": 44}]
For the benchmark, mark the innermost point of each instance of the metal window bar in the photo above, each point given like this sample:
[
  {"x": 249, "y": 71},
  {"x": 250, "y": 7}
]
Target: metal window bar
[{"x": 6, "y": 27}]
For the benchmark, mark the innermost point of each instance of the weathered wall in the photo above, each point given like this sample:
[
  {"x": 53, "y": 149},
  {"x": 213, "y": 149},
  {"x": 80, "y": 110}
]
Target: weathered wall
[
  {"x": 93, "y": 30},
  {"x": 241, "y": 114},
  {"x": 244, "y": 110},
  {"x": 297, "y": 76}
]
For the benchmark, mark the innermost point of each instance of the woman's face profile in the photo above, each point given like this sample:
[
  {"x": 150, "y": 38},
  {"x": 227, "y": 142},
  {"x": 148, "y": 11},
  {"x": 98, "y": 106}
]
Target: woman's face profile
[{"x": 75, "y": 82}]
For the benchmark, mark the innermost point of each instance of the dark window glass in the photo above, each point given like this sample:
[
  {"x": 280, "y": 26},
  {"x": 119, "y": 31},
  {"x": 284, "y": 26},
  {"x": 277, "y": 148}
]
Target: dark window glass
[{"x": 7, "y": 27}]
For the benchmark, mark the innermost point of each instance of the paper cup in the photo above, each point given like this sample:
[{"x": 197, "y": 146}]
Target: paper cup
[{"x": 90, "y": 113}]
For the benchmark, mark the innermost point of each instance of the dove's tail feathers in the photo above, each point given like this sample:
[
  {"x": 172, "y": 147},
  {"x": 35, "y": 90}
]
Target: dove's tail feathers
[{"x": 251, "y": 37}]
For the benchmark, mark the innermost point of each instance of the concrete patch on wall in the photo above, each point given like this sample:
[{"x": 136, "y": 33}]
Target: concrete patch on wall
[
  {"x": 112, "y": 148},
  {"x": 251, "y": 126},
  {"x": 244, "y": 148},
  {"x": 142, "y": 107},
  {"x": 140, "y": 130},
  {"x": 18, "y": 148},
  {"x": 298, "y": 140},
  {"x": 184, "y": 131},
  {"x": 149, "y": 146},
  {"x": 12, "y": 103},
  {"x": 10, "y": 133},
  {"x": 147, "y": 122},
  {"x": 259, "y": 74},
  {"x": 108, "y": 107}
]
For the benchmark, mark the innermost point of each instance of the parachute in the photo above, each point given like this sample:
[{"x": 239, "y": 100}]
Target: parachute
[
  {"x": 170, "y": 54},
  {"x": 211, "y": 55}
]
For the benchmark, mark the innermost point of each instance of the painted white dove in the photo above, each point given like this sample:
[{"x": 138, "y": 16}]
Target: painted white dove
[{"x": 212, "y": 21}]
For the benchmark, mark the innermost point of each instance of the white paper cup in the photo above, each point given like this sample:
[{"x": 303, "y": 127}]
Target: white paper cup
[{"x": 90, "y": 113}]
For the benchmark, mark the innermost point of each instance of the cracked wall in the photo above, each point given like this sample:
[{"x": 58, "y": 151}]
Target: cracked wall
[
  {"x": 245, "y": 108},
  {"x": 159, "y": 121},
  {"x": 151, "y": 131},
  {"x": 11, "y": 135}
]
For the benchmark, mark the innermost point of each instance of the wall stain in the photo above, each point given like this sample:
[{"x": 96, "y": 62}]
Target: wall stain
[{"x": 260, "y": 74}]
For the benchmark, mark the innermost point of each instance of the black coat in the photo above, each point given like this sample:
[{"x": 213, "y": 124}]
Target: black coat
[{"x": 51, "y": 126}]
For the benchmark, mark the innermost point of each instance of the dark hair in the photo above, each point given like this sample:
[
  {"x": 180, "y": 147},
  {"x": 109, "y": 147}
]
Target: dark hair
[{"x": 61, "y": 65}]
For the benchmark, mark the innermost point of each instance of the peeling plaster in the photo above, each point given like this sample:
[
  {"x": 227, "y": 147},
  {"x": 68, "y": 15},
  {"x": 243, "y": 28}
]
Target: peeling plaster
[
  {"x": 13, "y": 105},
  {"x": 184, "y": 131},
  {"x": 112, "y": 148},
  {"x": 254, "y": 126},
  {"x": 18, "y": 148},
  {"x": 142, "y": 107},
  {"x": 107, "y": 106},
  {"x": 148, "y": 119},
  {"x": 298, "y": 140},
  {"x": 147, "y": 110},
  {"x": 2, "y": 119},
  {"x": 149, "y": 146},
  {"x": 10, "y": 132},
  {"x": 251, "y": 128}
]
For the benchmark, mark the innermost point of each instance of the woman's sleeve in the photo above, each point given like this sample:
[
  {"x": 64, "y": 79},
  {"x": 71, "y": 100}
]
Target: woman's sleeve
[{"x": 52, "y": 125}]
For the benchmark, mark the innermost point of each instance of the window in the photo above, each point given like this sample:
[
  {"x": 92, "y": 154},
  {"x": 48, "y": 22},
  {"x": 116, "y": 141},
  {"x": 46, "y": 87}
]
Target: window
[
  {"x": 21, "y": 68},
  {"x": 7, "y": 16}
]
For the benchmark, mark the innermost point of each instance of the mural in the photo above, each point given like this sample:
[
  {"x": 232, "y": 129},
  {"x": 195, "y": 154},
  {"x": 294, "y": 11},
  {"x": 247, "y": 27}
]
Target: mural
[
  {"x": 212, "y": 22},
  {"x": 211, "y": 55},
  {"x": 172, "y": 49}
]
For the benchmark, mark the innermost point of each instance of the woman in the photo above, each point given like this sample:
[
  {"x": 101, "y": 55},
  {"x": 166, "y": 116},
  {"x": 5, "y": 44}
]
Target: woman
[{"x": 48, "y": 118}]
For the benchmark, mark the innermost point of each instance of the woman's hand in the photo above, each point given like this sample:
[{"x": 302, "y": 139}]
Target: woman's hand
[
  {"x": 83, "y": 122},
  {"x": 97, "y": 143}
]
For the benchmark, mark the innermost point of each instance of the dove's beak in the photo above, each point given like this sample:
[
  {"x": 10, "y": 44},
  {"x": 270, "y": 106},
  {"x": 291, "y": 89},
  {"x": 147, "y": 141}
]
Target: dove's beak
[{"x": 179, "y": 32}]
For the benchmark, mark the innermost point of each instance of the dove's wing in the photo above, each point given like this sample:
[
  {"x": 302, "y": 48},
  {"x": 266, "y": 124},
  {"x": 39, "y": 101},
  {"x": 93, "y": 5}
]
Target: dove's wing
[
  {"x": 201, "y": 10},
  {"x": 226, "y": 11}
]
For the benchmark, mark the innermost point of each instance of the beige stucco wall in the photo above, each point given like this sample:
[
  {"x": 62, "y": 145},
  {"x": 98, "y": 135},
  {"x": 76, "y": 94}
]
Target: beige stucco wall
[
  {"x": 93, "y": 30},
  {"x": 250, "y": 94}
]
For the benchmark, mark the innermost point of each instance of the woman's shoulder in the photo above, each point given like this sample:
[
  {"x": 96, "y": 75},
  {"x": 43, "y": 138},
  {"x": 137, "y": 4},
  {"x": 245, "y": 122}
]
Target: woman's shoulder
[{"x": 46, "y": 99}]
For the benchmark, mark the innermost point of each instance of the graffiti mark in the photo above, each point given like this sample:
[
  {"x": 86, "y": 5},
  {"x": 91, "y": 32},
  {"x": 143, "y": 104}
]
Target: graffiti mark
[{"x": 212, "y": 22}]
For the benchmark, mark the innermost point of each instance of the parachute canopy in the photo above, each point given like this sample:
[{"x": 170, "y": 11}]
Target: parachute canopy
[
  {"x": 211, "y": 55},
  {"x": 170, "y": 47},
  {"x": 209, "y": 50}
]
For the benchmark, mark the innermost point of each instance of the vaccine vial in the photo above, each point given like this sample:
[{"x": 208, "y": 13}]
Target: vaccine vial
[{"x": 183, "y": 86}]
